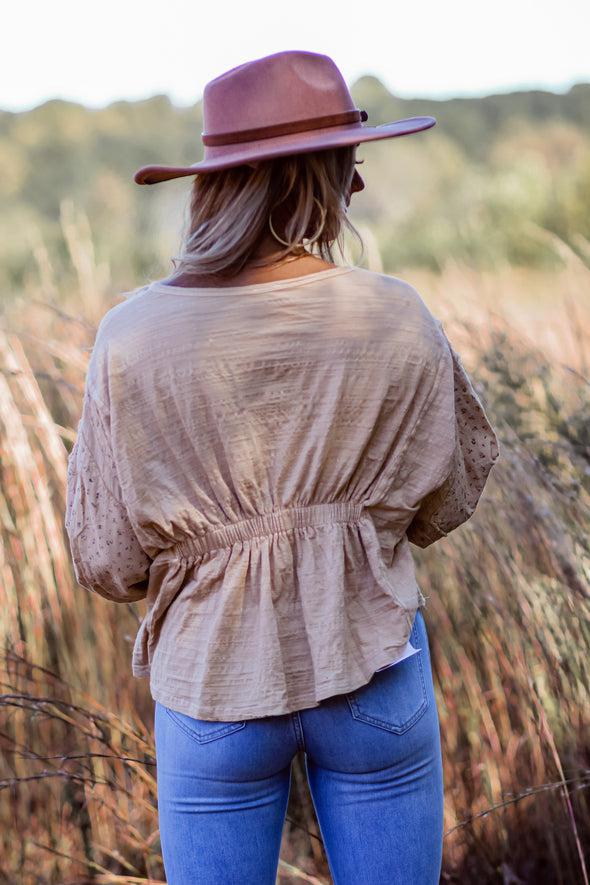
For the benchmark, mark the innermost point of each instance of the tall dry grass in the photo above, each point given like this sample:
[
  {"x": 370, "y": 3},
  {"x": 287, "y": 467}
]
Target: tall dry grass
[
  {"x": 509, "y": 594},
  {"x": 508, "y": 610}
]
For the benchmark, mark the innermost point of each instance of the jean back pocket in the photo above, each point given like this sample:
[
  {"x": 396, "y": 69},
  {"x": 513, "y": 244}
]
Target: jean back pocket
[
  {"x": 201, "y": 730},
  {"x": 395, "y": 698}
]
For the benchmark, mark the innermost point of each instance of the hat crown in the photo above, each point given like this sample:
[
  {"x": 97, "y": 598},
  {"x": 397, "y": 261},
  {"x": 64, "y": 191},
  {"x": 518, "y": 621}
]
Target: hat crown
[
  {"x": 288, "y": 103},
  {"x": 280, "y": 89}
]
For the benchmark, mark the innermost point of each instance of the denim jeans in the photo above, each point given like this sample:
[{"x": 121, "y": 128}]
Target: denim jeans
[{"x": 375, "y": 775}]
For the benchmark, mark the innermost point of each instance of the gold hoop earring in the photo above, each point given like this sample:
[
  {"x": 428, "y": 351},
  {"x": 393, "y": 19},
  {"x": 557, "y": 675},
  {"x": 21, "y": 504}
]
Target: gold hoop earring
[
  {"x": 317, "y": 235},
  {"x": 276, "y": 236},
  {"x": 306, "y": 241}
]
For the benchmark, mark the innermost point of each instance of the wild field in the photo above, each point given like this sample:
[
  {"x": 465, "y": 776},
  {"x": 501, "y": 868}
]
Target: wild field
[{"x": 508, "y": 608}]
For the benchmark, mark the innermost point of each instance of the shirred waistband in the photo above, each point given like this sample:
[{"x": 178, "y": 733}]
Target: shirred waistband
[{"x": 268, "y": 524}]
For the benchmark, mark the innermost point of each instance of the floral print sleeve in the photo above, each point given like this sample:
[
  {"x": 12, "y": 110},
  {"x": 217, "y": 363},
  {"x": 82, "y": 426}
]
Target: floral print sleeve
[
  {"x": 475, "y": 451},
  {"x": 108, "y": 558}
]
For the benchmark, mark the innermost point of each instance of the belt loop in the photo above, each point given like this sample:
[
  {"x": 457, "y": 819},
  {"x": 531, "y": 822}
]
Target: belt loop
[{"x": 298, "y": 729}]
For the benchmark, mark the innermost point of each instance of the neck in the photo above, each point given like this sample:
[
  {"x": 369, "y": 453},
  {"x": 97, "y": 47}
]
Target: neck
[
  {"x": 266, "y": 265},
  {"x": 267, "y": 253},
  {"x": 294, "y": 266}
]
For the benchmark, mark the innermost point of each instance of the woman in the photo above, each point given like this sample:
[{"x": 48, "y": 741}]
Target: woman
[{"x": 263, "y": 435}]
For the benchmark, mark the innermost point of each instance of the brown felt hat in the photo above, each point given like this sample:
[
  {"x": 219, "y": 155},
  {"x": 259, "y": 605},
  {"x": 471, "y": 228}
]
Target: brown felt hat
[{"x": 288, "y": 103}]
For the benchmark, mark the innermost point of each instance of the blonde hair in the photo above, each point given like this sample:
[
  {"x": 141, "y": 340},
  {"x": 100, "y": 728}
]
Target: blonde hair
[{"x": 299, "y": 199}]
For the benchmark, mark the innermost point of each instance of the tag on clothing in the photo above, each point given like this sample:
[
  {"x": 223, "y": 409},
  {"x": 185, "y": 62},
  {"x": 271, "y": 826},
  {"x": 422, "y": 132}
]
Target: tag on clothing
[{"x": 408, "y": 651}]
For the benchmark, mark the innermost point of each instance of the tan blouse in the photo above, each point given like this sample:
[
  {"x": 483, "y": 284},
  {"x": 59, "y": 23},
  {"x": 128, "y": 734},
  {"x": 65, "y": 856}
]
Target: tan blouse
[{"x": 254, "y": 461}]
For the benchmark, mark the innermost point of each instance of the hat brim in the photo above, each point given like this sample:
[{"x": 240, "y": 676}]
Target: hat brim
[{"x": 284, "y": 145}]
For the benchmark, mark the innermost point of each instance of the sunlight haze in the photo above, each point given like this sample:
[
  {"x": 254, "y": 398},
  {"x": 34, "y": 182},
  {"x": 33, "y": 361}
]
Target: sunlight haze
[{"x": 131, "y": 50}]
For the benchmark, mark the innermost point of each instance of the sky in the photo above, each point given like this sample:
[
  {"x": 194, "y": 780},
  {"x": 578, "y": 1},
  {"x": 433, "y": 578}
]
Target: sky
[{"x": 97, "y": 53}]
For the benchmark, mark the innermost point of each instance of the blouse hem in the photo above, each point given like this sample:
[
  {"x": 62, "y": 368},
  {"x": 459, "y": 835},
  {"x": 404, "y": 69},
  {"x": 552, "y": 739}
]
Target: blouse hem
[{"x": 212, "y": 713}]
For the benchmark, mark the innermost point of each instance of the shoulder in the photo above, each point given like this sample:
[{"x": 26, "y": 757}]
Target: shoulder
[
  {"x": 391, "y": 293},
  {"x": 113, "y": 339},
  {"x": 123, "y": 316},
  {"x": 394, "y": 305},
  {"x": 370, "y": 279}
]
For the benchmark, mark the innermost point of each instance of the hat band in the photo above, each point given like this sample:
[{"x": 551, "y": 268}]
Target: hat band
[{"x": 245, "y": 135}]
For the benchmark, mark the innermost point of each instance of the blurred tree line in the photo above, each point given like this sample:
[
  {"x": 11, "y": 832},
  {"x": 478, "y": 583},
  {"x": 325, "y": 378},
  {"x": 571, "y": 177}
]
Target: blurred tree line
[{"x": 486, "y": 186}]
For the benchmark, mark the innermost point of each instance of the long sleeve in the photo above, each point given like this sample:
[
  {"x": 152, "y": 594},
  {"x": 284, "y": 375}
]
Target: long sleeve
[
  {"x": 108, "y": 558},
  {"x": 475, "y": 451}
]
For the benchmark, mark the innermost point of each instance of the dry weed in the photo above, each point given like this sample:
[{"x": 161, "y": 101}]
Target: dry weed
[{"x": 508, "y": 613}]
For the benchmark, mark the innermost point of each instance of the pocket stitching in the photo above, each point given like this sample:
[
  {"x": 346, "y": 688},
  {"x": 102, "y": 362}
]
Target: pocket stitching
[
  {"x": 389, "y": 726},
  {"x": 226, "y": 729}
]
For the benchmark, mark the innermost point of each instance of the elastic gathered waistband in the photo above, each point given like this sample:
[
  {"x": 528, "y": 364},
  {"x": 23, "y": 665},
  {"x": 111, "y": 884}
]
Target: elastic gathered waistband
[{"x": 268, "y": 524}]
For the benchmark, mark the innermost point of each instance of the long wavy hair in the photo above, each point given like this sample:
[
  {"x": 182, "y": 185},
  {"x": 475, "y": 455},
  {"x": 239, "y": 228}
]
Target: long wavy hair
[{"x": 300, "y": 199}]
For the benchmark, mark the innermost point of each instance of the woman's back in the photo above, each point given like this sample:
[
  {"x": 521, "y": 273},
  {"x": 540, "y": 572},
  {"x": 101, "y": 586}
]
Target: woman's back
[
  {"x": 263, "y": 436},
  {"x": 270, "y": 396},
  {"x": 273, "y": 445}
]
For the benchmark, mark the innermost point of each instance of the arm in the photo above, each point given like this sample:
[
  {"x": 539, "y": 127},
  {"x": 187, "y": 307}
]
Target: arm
[
  {"x": 108, "y": 558},
  {"x": 475, "y": 451}
]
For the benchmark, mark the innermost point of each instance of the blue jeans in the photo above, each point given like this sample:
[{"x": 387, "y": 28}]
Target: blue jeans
[{"x": 375, "y": 775}]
